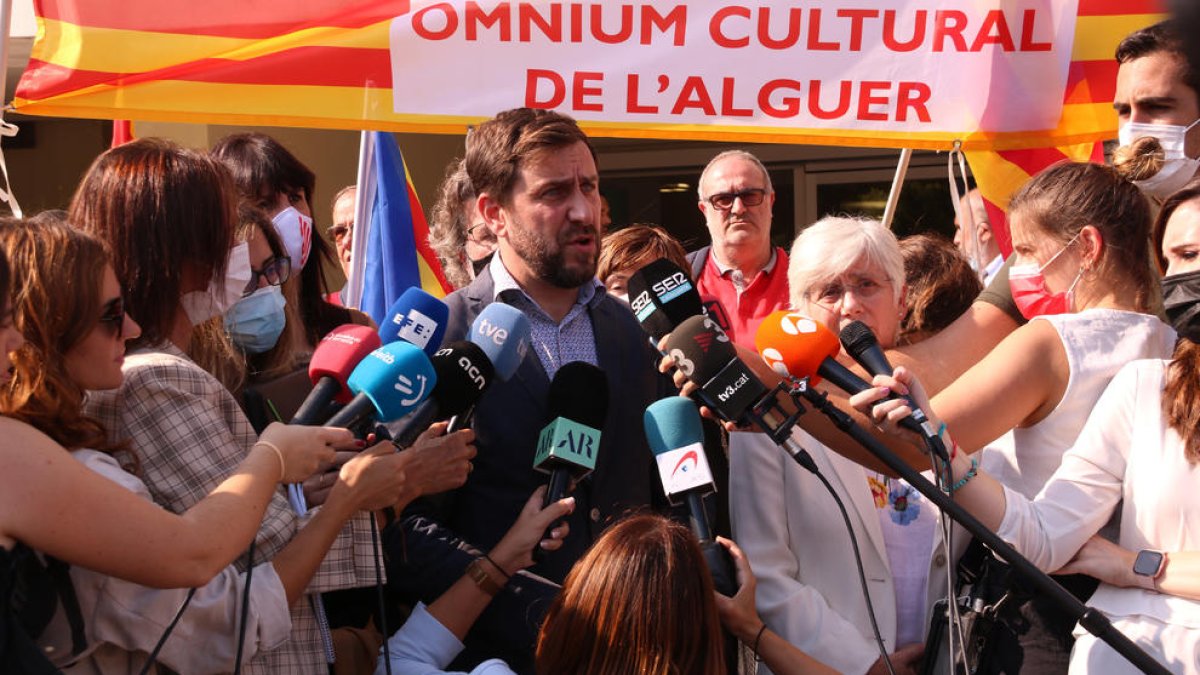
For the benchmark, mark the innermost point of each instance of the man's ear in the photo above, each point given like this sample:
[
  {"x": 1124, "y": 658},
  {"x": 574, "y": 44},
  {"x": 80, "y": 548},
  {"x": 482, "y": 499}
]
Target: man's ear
[{"x": 493, "y": 214}]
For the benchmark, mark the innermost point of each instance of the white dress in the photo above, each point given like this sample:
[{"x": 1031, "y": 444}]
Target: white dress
[{"x": 1128, "y": 458}]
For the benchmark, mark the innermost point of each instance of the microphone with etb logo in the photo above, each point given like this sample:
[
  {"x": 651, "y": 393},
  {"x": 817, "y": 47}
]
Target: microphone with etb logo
[
  {"x": 388, "y": 384},
  {"x": 502, "y": 331},
  {"x": 463, "y": 373},
  {"x": 568, "y": 445},
  {"x": 417, "y": 318},
  {"x": 676, "y": 439}
]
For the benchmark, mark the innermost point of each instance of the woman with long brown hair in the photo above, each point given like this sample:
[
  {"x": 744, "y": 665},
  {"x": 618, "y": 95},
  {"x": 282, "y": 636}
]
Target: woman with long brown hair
[{"x": 69, "y": 305}]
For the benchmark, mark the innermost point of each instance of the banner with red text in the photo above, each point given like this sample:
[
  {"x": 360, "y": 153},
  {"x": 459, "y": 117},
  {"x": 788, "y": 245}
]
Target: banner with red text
[{"x": 994, "y": 74}]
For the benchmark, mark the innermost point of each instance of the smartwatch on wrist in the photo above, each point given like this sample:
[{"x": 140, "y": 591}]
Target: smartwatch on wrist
[{"x": 1149, "y": 564}]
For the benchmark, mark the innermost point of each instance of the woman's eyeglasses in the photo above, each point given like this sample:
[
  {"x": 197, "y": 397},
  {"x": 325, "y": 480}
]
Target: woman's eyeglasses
[
  {"x": 275, "y": 270},
  {"x": 114, "y": 317},
  {"x": 833, "y": 293}
]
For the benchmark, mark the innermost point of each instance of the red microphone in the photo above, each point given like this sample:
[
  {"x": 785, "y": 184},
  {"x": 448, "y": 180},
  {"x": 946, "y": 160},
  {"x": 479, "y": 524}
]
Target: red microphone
[{"x": 332, "y": 362}]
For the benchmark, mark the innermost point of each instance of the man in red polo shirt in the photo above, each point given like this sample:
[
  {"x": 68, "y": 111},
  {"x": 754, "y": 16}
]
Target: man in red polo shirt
[{"x": 741, "y": 277}]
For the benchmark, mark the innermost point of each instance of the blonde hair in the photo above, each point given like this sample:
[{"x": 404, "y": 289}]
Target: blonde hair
[{"x": 829, "y": 247}]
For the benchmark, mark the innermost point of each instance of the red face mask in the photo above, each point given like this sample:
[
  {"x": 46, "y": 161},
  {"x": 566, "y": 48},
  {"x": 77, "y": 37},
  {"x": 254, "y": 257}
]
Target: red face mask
[{"x": 1028, "y": 285}]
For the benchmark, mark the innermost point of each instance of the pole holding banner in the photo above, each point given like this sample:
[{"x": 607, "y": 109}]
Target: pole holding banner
[{"x": 889, "y": 211}]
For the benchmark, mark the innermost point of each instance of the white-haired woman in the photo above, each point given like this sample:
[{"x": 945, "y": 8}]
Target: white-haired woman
[{"x": 840, "y": 270}]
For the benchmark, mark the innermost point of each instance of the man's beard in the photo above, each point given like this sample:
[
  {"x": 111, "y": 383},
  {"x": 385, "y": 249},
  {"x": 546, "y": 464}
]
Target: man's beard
[{"x": 548, "y": 259}]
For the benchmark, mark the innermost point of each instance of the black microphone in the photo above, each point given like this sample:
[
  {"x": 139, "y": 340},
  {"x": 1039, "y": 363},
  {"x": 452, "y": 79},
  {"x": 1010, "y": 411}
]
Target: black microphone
[
  {"x": 568, "y": 445},
  {"x": 662, "y": 296},
  {"x": 676, "y": 439},
  {"x": 862, "y": 345},
  {"x": 464, "y": 372},
  {"x": 705, "y": 354}
]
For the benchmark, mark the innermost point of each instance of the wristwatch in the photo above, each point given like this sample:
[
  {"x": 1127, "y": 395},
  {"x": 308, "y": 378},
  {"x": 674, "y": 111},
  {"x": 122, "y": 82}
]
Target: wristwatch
[
  {"x": 1149, "y": 564},
  {"x": 482, "y": 579}
]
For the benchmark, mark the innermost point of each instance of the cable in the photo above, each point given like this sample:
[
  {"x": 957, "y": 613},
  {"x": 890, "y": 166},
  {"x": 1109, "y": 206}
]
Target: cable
[
  {"x": 387, "y": 653},
  {"x": 862, "y": 575},
  {"x": 166, "y": 633},
  {"x": 245, "y": 618},
  {"x": 944, "y": 480}
]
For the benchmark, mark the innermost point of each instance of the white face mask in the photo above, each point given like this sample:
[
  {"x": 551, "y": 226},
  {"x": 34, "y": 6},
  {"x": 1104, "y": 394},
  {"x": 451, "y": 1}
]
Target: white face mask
[
  {"x": 221, "y": 294},
  {"x": 295, "y": 229},
  {"x": 1177, "y": 169}
]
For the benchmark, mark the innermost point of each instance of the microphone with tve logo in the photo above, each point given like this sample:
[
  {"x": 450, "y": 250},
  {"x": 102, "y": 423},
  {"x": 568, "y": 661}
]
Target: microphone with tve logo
[
  {"x": 568, "y": 445},
  {"x": 334, "y": 359},
  {"x": 417, "y": 318},
  {"x": 387, "y": 385},
  {"x": 676, "y": 439},
  {"x": 502, "y": 331},
  {"x": 463, "y": 373}
]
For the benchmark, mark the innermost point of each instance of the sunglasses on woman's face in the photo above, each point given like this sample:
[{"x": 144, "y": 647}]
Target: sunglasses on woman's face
[
  {"x": 114, "y": 317},
  {"x": 275, "y": 270}
]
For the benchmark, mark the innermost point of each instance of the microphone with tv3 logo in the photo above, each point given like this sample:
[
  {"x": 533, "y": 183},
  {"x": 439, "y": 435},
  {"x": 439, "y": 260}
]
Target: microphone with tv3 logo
[
  {"x": 463, "y": 372},
  {"x": 862, "y": 345},
  {"x": 417, "y": 318},
  {"x": 705, "y": 354},
  {"x": 387, "y": 385},
  {"x": 568, "y": 445},
  {"x": 662, "y": 296},
  {"x": 676, "y": 439},
  {"x": 334, "y": 359},
  {"x": 502, "y": 332},
  {"x": 795, "y": 345}
]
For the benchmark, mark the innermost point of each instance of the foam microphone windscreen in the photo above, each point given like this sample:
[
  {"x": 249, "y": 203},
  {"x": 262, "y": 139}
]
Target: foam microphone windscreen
[
  {"x": 795, "y": 345},
  {"x": 503, "y": 333},
  {"x": 662, "y": 296},
  {"x": 700, "y": 349},
  {"x": 417, "y": 318},
  {"x": 396, "y": 377},
  {"x": 463, "y": 373},
  {"x": 339, "y": 352},
  {"x": 579, "y": 391}
]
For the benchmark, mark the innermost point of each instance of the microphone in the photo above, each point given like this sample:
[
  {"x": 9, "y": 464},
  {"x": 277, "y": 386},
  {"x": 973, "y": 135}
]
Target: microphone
[
  {"x": 502, "y": 331},
  {"x": 795, "y": 345},
  {"x": 388, "y": 384},
  {"x": 332, "y": 362},
  {"x": 418, "y": 318},
  {"x": 567, "y": 446},
  {"x": 463, "y": 373},
  {"x": 862, "y": 345},
  {"x": 704, "y": 353},
  {"x": 662, "y": 296},
  {"x": 676, "y": 439}
]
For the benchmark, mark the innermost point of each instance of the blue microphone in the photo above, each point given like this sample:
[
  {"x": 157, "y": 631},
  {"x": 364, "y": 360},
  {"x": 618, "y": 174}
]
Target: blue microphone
[
  {"x": 417, "y": 318},
  {"x": 387, "y": 385},
  {"x": 677, "y": 441},
  {"x": 503, "y": 333}
]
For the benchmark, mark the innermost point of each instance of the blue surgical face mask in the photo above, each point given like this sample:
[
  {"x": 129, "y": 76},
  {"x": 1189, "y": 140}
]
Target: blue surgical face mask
[{"x": 257, "y": 320}]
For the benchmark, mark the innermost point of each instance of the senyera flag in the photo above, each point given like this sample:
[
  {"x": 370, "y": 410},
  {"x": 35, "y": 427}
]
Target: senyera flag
[{"x": 993, "y": 74}]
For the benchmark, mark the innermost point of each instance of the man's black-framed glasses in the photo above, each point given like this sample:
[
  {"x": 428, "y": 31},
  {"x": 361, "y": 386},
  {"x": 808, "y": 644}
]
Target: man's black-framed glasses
[
  {"x": 725, "y": 200},
  {"x": 275, "y": 270}
]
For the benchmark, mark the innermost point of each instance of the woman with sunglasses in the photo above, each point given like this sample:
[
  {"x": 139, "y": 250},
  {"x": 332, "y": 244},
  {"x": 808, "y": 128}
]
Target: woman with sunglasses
[
  {"x": 1138, "y": 456},
  {"x": 168, "y": 215},
  {"x": 68, "y": 303}
]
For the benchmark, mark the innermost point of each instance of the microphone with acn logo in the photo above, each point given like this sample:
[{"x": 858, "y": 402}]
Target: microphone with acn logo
[
  {"x": 417, "y": 318},
  {"x": 568, "y": 445},
  {"x": 662, "y": 296},
  {"x": 502, "y": 332},
  {"x": 387, "y": 385},
  {"x": 463, "y": 373},
  {"x": 334, "y": 359},
  {"x": 676, "y": 439}
]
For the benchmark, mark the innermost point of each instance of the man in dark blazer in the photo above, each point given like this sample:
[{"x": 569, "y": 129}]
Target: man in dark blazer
[{"x": 535, "y": 175}]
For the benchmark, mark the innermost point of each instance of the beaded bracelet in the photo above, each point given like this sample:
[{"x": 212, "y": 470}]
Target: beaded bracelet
[
  {"x": 966, "y": 477},
  {"x": 757, "y": 658}
]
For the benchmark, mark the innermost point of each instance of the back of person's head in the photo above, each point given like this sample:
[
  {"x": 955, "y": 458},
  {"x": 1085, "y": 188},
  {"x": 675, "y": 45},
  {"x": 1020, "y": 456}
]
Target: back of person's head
[
  {"x": 162, "y": 210},
  {"x": 1068, "y": 196},
  {"x": 448, "y": 224},
  {"x": 57, "y": 272},
  {"x": 940, "y": 285},
  {"x": 640, "y": 601},
  {"x": 496, "y": 149},
  {"x": 631, "y": 248},
  {"x": 829, "y": 247}
]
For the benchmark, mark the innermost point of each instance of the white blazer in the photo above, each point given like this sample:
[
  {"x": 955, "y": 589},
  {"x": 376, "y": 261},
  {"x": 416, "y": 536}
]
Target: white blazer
[{"x": 793, "y": 533}]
